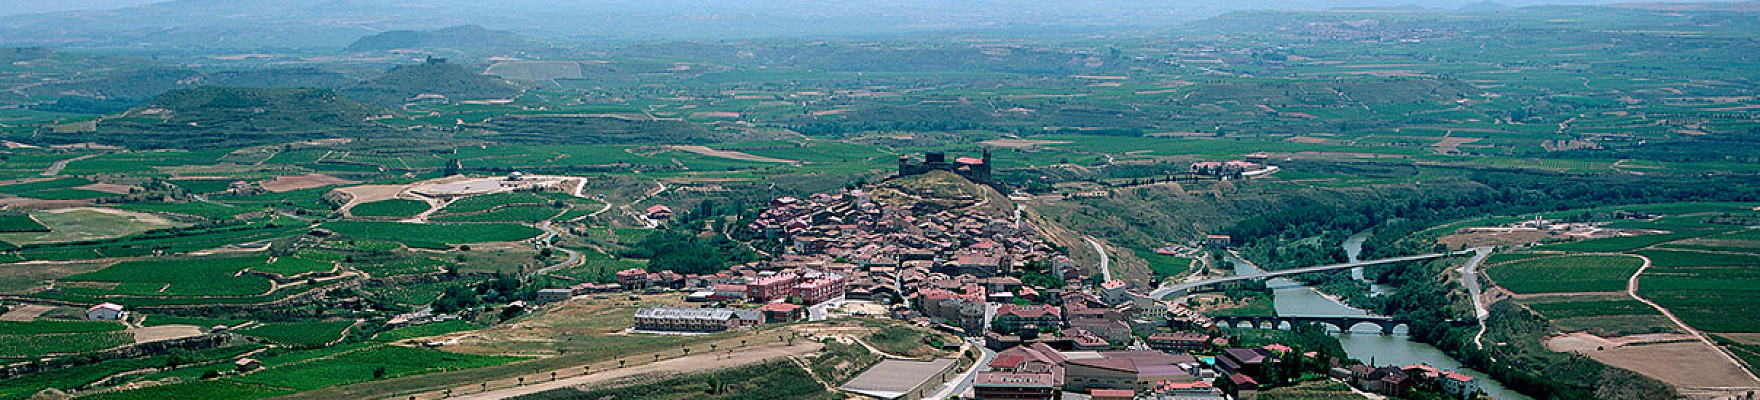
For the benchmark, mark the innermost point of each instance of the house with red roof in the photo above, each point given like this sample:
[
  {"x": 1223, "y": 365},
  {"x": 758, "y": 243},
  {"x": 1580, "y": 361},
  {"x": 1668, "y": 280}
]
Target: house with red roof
[{"x": 1011, "y": 317}]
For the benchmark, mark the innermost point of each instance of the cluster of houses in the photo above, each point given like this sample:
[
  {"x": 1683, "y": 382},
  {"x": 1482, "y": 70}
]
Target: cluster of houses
[
  {"x": 954, "y": 270},
  {"x": 1042, "y": 371},
  {"x": 1397, "y": 381}
]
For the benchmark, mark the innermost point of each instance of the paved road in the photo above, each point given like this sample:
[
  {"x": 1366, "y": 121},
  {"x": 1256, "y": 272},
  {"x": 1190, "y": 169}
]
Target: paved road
[
  {"x": 959, "y": 387},
  {"x": 548, "y": 241},
  {"x": 1470, "y": 278},
  {"x": 55, "y": 168},
  {"x": 1105, "y": 262},
  {"x": 1165, "y": 291}
]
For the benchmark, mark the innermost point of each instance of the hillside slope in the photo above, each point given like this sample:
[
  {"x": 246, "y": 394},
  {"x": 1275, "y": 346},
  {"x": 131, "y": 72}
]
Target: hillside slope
[
  {"x": 404, "y": 83},
  {"x": 209, "y": 117}
]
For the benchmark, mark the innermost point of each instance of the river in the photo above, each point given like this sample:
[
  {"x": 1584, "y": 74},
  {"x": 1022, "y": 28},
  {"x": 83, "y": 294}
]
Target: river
[{"x": 1365, "y": 341}]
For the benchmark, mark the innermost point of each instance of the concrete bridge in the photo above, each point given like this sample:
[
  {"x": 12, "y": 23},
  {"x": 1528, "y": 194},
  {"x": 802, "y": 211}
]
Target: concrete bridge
[
  {"x": 1185, "y": 288},
  {"x": 1342, "y": 323}
]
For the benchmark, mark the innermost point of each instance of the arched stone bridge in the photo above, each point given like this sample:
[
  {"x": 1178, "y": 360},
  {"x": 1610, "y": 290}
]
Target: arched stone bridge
[{"x": 1342, "y": 323}]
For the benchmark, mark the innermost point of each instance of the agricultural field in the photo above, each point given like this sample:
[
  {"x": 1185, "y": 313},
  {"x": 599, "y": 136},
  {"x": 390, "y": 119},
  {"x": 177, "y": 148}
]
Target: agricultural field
[
  {"x": 69, "y": 378},
  {"x": 1566, "y": 274},
  {"x": 203, "y": 186},
  {"x": 1705, "y": 289},
  {"x": 486, "y": 202},
  {"x": 165, "y": 241},
  {"x": 520, "y": 213},
  {"x": 304, "y": 262},
  {"x": 299, "y": 334},
  {"x": 12, "y": 223},
  {"x": 189, "y": 277},
  {"x": 1602, "y": 315},
  {"x": 42, "y": 344},
  {"x": 208, "y": 211},
  {"x": 87, "y": 223},
  {"x": 442, "y": 233},
  {"x": 55, "y": 189},
  {"x": 394, "y": 208}
]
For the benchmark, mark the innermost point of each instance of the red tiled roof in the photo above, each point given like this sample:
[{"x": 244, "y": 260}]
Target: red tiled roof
[
  {"x": 780, "y": 307},
  {"x": 1028, "y": 311}
]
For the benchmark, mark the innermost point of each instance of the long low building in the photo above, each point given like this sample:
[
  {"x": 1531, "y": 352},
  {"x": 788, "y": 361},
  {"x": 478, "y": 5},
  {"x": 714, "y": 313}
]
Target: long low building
[{"x": 679, "y": 319}]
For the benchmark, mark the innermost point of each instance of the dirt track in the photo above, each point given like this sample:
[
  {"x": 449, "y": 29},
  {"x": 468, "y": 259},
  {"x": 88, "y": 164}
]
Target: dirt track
[
  {"x": 307, "y": 181},
  {"x": 682, "y": 365},
  {"x": 705, "y": 150}
]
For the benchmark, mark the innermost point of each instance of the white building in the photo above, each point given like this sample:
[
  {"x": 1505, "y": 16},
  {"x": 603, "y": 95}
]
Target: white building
[{"x": 106, "y": 312}]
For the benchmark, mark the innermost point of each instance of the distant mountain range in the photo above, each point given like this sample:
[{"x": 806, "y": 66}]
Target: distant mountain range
[
  {"x": 211, "y": 25},
  {"x": 464, "y": 40}
]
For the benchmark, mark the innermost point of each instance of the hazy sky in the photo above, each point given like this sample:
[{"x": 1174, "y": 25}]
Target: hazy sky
[{"x": 15, "y": 7}]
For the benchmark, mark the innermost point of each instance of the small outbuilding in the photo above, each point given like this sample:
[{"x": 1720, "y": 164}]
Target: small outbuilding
[{"x": 106, "y": 312}]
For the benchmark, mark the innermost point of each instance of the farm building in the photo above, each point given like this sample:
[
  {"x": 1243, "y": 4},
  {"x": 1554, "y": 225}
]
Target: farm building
[
  {"x": 106, "y": 312},
  {"x": 675, "y": 319},
  {"x": 658, "y": 211},
  {"x": 554, "y": 295}
]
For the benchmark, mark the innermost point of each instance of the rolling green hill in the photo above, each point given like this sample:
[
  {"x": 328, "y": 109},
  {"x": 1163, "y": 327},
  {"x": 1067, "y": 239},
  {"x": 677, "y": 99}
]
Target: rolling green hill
[
  {"x": 210, "y": 117},
  {"x": 404, "y": 83}
]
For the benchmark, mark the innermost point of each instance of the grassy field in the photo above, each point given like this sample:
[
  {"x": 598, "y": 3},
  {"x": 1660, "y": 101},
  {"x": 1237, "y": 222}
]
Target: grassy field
[
  {"x": 86, "y": 224},
  {"x": 299, "y": 333},
  {"x": 198, "y": 390},
  {"x": 770, "y": 380},
  {"x": 393, "y": 208},
  {"x": 1566, "y": 274},
  {"x": 195, "y": 209},
  {"x": 904, "y": 341},
  {"x": 443, "y": 233},
  {"x": 1165, "y": 265},
  {"x": 425, "y": 330},
  {"x": 373, "y": 363}
]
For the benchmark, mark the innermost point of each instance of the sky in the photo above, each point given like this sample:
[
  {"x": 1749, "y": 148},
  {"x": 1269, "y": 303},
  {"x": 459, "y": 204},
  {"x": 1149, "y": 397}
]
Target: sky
[{"x": 16, "y": 7}]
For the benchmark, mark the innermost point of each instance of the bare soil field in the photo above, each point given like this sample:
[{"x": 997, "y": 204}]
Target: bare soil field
[
  {"x": 370, "y": 193},
  {"x": 1464, "y": 239},
  {"x": 28, "y": 277},
  {"x": 106, "y": 188},
  {"x": 1019, "y": 143},
  {"x": 1452, "y": 144},
  {"x": 1676, "y": 359},
  {"x": 25, "y": 313},
  {"x": 307, "y": 181},
  {"x": 164, "y": 332},
  {"x": 704, "y": 150}
]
